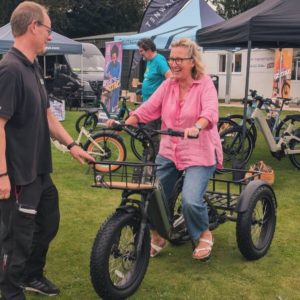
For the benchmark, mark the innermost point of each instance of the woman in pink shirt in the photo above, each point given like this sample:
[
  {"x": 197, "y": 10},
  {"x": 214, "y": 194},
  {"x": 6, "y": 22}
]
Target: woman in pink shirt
[{"x": 188, "y": 101}]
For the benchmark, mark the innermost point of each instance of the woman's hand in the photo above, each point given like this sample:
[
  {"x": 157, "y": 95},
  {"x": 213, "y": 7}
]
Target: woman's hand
[{"x": 191, "y": 132}]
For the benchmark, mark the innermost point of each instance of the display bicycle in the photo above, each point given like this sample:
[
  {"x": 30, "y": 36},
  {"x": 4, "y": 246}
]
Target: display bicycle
[
  {"x": 102, "y": 145},
  {"x": 121, "y": 249},
  {"x": 275, "y": 121},
  {"x": 238, "y": 144},
  {"x": 89, "y": 119}
]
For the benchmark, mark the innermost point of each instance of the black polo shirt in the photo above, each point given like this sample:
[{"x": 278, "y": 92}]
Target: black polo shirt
[{"x": 24, "y": 103}]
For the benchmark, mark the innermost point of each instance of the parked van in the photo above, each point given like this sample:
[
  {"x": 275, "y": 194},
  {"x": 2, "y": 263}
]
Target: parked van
[{"x": 78, "y": 77}]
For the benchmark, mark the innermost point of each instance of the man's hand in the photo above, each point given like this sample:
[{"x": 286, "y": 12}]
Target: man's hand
[
  {"x": 4, "y": 188},
  {"x": 78, "y": 153},
  {"x": 111, "y": 122}
]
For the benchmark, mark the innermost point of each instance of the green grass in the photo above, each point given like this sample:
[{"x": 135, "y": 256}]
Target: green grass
[{"x": 174, "y": 275}]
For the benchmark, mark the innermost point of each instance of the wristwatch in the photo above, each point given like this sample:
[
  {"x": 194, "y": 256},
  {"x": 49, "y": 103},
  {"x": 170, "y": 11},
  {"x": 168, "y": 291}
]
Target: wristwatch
[
  {"x": 71, "y": 145},
  {"x": 198, "y": 126}
]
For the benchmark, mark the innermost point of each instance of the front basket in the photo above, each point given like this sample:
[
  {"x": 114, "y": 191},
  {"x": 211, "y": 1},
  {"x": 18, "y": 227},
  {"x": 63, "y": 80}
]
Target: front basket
[{"x": 129, "y": 175}]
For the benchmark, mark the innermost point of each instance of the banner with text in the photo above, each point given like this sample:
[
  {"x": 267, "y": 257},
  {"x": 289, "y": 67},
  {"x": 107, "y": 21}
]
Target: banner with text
[{"x": 283, "y": 63}]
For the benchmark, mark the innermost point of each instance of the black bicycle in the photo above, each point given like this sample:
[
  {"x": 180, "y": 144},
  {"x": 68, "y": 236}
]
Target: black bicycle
[
  {"x": 89, "y": 119},
  {"x": 121, "y": 249}
]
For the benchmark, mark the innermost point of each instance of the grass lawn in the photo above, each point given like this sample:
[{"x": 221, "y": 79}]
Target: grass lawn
[{"x": 173, "y": 274}]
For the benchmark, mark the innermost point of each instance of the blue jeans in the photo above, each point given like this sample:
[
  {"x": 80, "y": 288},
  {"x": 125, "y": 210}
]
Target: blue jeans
[{"x": 194, "y": 186}]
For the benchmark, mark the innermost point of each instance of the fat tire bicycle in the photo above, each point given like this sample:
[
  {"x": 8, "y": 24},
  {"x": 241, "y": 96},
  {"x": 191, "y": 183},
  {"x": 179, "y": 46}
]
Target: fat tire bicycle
[
  {"x": 102, "y": 145},
  {"x": 121, "y": 249}
]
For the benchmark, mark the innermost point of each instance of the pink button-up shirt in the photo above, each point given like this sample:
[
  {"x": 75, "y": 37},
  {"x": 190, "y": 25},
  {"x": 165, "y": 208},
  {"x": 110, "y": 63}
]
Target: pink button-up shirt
[{"x": 200, "y": 101}]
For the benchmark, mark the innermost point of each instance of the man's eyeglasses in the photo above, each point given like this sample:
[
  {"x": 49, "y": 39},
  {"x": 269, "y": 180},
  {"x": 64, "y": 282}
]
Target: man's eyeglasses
[
  {"x": 178, "y": 60},
  {"x": 49, "y": 30}
]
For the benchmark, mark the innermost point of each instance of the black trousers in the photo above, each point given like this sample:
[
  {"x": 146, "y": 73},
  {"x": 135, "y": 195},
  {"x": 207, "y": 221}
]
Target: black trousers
[{"x": 30, "y": 220}]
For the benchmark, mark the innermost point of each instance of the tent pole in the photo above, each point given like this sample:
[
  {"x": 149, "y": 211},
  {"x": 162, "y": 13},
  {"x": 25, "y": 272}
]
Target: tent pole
[
  {"x": 229, "y": 56},
  {"x": 246, "y": 88},
  {"x": 81, "y": 71}
]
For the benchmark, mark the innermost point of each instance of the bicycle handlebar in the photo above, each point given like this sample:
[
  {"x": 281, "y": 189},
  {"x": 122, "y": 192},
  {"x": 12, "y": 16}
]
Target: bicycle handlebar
[
  {"x": 267, "y": 101},
  {"x": 120, "y": 125}
]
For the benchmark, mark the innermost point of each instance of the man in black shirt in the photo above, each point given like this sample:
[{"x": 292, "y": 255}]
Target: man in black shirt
[{"x": 28, "y": 197}]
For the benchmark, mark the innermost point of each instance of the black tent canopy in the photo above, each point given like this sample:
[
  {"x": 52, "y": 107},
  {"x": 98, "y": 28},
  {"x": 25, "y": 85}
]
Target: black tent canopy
[{"x": 271, "y": 24}]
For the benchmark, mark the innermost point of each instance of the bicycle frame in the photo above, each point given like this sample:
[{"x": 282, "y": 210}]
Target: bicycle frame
[
  {"x": 268, "y": 109},
  {"x": 283, "y": 143},
  {"x": 112, "y": 115},
  {"x": 83, "y": 132}
]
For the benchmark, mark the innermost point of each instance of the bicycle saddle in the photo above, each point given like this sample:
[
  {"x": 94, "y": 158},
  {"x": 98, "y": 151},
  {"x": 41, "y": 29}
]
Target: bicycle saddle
[{"x": 91, "y": 111}]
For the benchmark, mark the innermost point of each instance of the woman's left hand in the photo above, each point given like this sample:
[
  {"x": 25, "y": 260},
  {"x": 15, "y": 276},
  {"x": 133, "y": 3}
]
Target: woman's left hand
[{"x": 191, "y": 132}]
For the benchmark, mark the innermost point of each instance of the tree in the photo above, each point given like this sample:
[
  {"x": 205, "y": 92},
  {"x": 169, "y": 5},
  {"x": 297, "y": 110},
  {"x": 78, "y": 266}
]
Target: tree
[
  {"x": 7, "y": 6},
  {"x": 76, "y": 18},
  {"x": 89, "y": 17},
  {"x": 230, "y": 8}
]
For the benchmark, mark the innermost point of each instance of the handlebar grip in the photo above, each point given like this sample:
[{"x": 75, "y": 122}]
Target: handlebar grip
[{"x": 172, "y": 132}]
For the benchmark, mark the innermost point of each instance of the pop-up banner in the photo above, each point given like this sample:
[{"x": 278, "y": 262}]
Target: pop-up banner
[
  {"x": 112, "y": 79},
  {"x": 283, "y": 62}
]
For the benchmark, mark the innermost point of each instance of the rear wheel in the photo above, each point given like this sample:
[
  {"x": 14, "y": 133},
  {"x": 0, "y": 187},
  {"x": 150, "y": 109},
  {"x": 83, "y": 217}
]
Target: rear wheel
[
  {"x": 106, "y": 146},
  {"x": 115, "y": 267},
  {"x": 256, "y": 226},
  {"x": 234, "y": 148},
  {"x": 282, "y": 127},
  {"x": 88, "y": 121},
  {"x": 295, "y": 145}
]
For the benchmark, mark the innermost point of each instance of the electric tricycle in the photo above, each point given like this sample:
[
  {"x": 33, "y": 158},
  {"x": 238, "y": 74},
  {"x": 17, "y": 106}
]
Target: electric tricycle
[{"x": 121, "y": 250}]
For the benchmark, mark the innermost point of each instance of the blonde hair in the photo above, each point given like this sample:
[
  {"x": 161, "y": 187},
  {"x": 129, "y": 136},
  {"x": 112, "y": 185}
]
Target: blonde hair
[
  {"x": 24, "y": 14},
  {"x": 194, "y": 53}
]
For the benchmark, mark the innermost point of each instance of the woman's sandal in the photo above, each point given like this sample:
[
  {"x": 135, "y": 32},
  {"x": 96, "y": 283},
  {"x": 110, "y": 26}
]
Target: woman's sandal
[
  {"x": 208, "y": 248},
  {"x": 157, "y": 249}
]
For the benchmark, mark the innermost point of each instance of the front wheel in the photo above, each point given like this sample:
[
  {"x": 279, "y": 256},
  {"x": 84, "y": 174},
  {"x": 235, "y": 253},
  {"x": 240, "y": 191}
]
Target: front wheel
[
  {"x": 235, "y": 147},
  {"x": 256, "y": 226},
  {"x": 88, "y": 121},
  {"x": 116, "y": 268},
  {"x": 106, "y": 146}
]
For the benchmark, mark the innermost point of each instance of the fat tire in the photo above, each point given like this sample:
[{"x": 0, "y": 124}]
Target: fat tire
[
  {"x": 105, "y": 250},
  {"x": 105, "y": 139},
  {"x": 246, "y": 222},
  {"x": 84, "y": 119}
]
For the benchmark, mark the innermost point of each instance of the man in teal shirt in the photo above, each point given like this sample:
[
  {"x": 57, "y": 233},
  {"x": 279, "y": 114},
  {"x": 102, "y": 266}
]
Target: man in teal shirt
[{"x": 157, "y": 69}]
